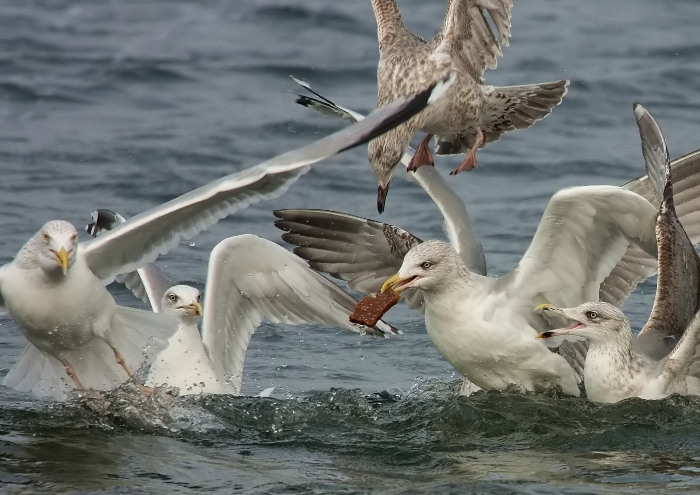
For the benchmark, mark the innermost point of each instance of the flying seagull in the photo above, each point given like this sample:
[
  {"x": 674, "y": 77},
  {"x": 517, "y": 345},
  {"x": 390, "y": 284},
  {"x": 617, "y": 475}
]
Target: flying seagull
[{"x": 472, "y": 112}]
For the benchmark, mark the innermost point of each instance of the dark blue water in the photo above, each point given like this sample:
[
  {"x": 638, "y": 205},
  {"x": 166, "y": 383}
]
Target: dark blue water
[{"x": 126, "y": 104}]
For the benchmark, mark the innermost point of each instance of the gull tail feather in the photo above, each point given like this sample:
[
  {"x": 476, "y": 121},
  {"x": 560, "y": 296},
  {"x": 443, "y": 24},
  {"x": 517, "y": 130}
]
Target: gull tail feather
[
  {"x": 40, "y": 374},
  {"x": 140, "y": 335},
  {"x": 44, "y": 376}
]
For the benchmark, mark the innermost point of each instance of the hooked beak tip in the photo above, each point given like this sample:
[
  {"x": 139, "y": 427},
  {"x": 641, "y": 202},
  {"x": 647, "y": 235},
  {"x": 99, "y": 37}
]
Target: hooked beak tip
[
  {"x": 389, "y": 283},
  {"x": 198, "y": 310},
  {"x": 63, "y": 258},
  {"x": 382, "y": 192}
]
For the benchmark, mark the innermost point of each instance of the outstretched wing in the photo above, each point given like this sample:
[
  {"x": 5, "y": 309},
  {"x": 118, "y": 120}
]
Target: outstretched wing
[
  {"x": 456, "y": 223},
  {"x": 143, "y": 237},
  {"x": 677, "y": 296},
  {"x": 360, "y": 251},
  {"x": 148, "y": 282},
  {"x": 323, "y": 105},
  {"x": 467, "y": 31},
  {"x": 251, "y": 279},
  {"x": 583, "y": 234},
  {"x": 636, "y": 265}
]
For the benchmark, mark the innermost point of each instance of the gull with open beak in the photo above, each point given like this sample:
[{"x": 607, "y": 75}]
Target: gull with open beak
[
  {"x": 614, "y": 369},
  {"x": 664, "y": 357}
]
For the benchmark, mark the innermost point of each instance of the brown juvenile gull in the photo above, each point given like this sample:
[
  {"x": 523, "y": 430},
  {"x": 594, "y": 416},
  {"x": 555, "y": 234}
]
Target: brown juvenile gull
[
  {"x": 472, "y": 112},
  {"x": 665, "y": 357},
  {"x": 55, "y": 291}
]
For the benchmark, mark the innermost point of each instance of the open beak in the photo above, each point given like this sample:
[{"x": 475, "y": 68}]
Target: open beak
[
  {"x": 549, "y": 310},
  {"x": 397, "y": 284},
  {"x": 62, "y": 258},
  {"x": 539, "y": 309}
]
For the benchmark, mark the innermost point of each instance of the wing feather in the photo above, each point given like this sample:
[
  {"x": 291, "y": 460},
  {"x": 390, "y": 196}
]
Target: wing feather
[
  {"x": 143, "y": 237},
  {"x": 582, "y": 236},
  {"x": 467, "y": 31},
  {"x": 251, "y": 279}
]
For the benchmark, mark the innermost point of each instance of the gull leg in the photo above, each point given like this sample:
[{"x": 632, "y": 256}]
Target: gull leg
[
  {"x": 71, "y": 372},
  {"x": 470, "y": 160},
  {"x": 422, "y": 155},
  {"x": 122, "y": 362}
]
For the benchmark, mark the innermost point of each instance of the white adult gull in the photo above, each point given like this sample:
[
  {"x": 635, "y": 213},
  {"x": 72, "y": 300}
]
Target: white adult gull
[
  {"x": 665, "y": 357},
  {"x": 249, "y": 279},
  {"x": 55, "y": 291}
]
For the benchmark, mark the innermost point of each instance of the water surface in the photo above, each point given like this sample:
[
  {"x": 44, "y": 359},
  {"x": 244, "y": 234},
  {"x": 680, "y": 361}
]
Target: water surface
[{"x": 126, "y": 104}]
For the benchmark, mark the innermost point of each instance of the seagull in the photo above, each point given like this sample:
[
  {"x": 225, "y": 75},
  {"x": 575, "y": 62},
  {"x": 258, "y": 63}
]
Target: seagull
[
  {"x": 482, "y": 326},
  {"x": 55, "y": 291},
  {"x": 660, "y": 360},
  {"x": 485, "y": 327},
  {"x": 614, "y": 369},
  {"x": 364, "y": 252},
  {"x": 249, "y": 279},
  {"x": 472, "y": 113}
]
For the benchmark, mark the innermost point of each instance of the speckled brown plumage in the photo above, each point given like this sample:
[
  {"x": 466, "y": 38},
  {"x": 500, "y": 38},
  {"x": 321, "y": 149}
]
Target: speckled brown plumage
[{"x": 471, "y": 113}]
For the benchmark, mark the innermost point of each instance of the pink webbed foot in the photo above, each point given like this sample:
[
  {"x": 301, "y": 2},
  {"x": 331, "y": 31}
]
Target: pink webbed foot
[
  {"x": 470, "y": 162},
  {"x": 422, "y": 156}
]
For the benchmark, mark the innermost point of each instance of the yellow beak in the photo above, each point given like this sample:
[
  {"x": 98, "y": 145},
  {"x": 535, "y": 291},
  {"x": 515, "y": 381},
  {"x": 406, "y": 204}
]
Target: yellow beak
[
  {"x": 389, "y": 282},
  {"x": 62, "y": 258},
  {"x": 542, "y": 306},
  {"x": 198, "y": 310},
  {"x": 397, "y": 283}
]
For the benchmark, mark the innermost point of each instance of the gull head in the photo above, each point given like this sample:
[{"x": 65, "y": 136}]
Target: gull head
[
  {"x": 182, "y": 302},
  {"x": 429, "y": 266},
  {"x": 56, "y": 246},
  {"x": 102, "y": 221},
  {"x": 599, "y": 322},
  {"x": 384, "y": 157}
]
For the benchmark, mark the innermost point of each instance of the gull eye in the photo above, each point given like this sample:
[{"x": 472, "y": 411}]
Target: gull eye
[
  {"x": 47, "y": 237},
  {"x": 591, "y": 315},
  {"x": 74, "y": 238},
  {"x": 172, "y": 297},
  {"x": 426, "y": 265}
]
